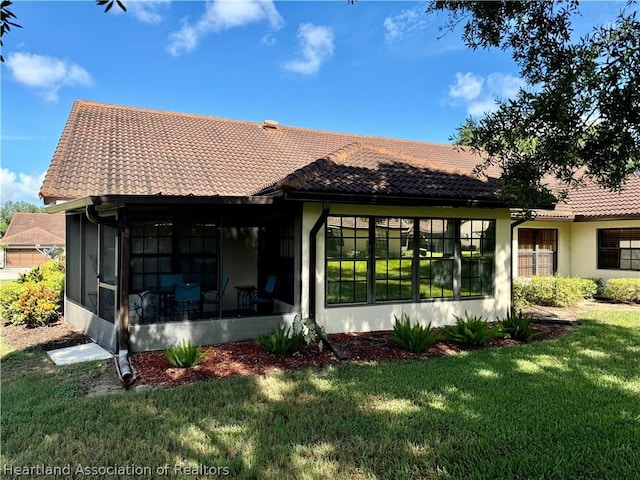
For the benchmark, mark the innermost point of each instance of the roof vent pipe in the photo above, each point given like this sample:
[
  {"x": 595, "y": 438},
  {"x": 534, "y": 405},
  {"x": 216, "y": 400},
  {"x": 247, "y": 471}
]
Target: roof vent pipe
[{"x": 270, "y": 124}]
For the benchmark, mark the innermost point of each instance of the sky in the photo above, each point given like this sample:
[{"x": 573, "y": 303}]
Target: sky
[{"x": 374, "y": 68}]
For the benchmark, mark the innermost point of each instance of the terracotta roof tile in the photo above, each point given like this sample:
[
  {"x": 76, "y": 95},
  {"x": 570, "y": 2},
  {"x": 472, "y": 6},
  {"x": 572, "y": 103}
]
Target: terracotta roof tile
[
  {"x": 373, "y": 170},
  {"x": 107, "y": 149},
  {"x": 34, "y": 229}
]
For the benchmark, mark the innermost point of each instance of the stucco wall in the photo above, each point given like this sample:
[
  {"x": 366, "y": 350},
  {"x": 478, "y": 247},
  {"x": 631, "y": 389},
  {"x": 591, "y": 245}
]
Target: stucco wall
[
  {"x": 564, "y": 244},
  {"x": 99, "y": 330},
  {"x": 381, "y": 316},
  {"x": 584, "y": 249}
]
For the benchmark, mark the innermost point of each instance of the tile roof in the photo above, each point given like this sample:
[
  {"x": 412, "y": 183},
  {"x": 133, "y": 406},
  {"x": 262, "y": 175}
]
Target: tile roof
[
  {"x": 368, "y": 169},
  {"x": 108, "y": 149},
  {"x": 34, "y": 229}
]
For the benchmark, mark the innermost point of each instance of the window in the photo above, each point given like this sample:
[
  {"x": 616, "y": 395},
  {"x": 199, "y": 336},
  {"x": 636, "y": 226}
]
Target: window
[
  {"x": 393, "y": 263},
  {"x": 373, "y": 259},
  {"x": 347, "y": 259},
  {"x": 619, "y": 249},
  {"x": 437, "y": 257},
  {"x": 537, "y": 252},
  {"x": 477, "y": 246}
]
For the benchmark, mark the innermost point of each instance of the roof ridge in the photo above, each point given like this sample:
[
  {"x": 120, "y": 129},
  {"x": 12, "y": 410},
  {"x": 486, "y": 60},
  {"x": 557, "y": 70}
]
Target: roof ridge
[{"x": 259, "y": 124}]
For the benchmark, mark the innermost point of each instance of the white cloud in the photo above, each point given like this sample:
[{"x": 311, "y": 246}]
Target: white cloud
[
  {"x": 46, "y": 74},
  {"x": 148, "y": 11},
  {"x": 223, "y": 15},
  {"x": 316, "y": 45},
  {"x": 20, "y": 186},
  {"x": 467, "y": 86},
  {"x": 404, "y": 24},
  {"x": 479, "y": 94}
]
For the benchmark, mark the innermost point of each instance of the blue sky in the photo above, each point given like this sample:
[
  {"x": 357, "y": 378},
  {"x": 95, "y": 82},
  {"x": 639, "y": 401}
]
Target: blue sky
[{"x": 375, "y": 68}]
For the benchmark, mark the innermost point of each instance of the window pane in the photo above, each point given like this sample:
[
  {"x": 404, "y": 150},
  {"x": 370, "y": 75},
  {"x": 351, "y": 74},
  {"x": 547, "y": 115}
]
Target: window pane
[
  {"x": 477, "y": 241},
  {"x": 393, "y": 267},
  {"x": 617, "y": 248},
  {"x": 437, "y": 239},
  {"x": 346, "y": 259}
]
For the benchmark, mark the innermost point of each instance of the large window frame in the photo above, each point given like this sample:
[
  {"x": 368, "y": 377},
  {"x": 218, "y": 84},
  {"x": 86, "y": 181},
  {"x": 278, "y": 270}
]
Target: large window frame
[
  {"x": 537, "y": 252},
  {"x": 619, "y": 249},
  {"x": 437, "y": 258}
]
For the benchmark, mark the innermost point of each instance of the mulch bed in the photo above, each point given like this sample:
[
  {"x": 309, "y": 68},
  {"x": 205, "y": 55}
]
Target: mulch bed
[{"x": 249, "y": 358}]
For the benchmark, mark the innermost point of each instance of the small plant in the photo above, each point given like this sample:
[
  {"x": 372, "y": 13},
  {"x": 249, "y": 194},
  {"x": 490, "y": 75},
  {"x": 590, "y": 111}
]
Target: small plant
[
  {"x": 281, "y": 341},
  {"x": 517, "y": 325},
  {"x": 306, "y": 328},
  {"x": 471, "y": 330},
  {"x": 186, "y": 354},
  {"x": 414, "y": 338},
  {"x": 36, "y": 305}
]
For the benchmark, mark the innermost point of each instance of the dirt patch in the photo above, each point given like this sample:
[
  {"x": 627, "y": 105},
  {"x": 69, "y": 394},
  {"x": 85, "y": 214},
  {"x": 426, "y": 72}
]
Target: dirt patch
[{"x": 100, "y": 381}]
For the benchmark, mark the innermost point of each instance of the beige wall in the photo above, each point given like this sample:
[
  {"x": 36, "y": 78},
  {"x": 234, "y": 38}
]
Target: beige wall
[
  {"x": 578, "y": 247},
  {"x": 584, "y": 249},
  {"x": 381, "y": 316},
  {"x": 564, "y": 244}
]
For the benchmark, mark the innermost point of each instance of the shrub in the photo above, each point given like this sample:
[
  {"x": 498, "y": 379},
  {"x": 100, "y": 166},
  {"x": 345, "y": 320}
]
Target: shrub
[
  {"x": 281, "y": 341},
  {"x": 555, "y": 291},
  {"x": 36, "y": 305},
  {"x": 414, "y": 338},
  {"x": 471, "y": 330},
  {"x": 520, "y": 293},
  {"x": 517, "y": 325},
  {"x": 9, "y": 294},
  {"x": 186, "y": 354},
  {"x": 624, "y": 290}
]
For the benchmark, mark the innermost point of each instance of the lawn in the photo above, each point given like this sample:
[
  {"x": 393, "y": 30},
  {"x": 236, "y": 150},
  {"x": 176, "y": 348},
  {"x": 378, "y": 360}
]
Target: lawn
[{"x": 564, "y": 408}]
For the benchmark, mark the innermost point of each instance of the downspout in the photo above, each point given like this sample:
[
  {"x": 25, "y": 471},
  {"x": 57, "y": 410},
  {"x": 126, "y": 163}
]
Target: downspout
[
  {"x": 125, "y": 371},
  {"x": 520, "y": 221},
  {"x": 313, "y": 243}
]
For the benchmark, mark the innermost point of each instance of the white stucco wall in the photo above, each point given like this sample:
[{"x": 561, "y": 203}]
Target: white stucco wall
[
  {"x": 362, "y": 318},
  {"x": 564, "y": 244},
  {"x": 584, "y": 249}
]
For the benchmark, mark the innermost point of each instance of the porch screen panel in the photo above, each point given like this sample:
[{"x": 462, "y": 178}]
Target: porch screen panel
[
  {"x": 477, "y": 246},
  {"x": 347, "y": 259},
  {"x": 74, "y": 258},
  {"x": 393, "y": 261},
  {"x": 151, "y": 253},
  {"x": 437, "y": 257}
]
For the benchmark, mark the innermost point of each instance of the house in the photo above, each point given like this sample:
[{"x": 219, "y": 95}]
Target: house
[
  {"x": 595, "y": 234},
  {"x": 356, "y": 229},
  {"x": 31, "y": 238}
]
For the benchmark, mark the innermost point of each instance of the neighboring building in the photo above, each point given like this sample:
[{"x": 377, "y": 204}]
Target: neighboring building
[
  {"x": 29, "y": 237},
  {"x": 356, "y": 229},
  {"x": 595, "y": 234}
]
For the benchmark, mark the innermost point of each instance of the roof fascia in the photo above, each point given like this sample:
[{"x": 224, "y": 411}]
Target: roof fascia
[
  {"x": 391, "y": 200},
  {"x": 81, "y": 203}
]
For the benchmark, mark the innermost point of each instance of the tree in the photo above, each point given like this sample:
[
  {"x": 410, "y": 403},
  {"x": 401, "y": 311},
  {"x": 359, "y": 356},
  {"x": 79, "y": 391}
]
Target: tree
[
  {"x": 10, "y": 208},
  {"x": 7, "y": 17},
  {"x": 578, "y": 118}
]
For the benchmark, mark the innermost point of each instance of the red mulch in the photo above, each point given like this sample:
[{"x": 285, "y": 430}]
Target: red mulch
[{"x": 249, "y": 358}]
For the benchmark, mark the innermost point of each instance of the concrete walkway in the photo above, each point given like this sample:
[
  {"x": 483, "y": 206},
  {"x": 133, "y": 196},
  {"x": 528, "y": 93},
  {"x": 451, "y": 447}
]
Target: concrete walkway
[{"x": 79, "y": 353}]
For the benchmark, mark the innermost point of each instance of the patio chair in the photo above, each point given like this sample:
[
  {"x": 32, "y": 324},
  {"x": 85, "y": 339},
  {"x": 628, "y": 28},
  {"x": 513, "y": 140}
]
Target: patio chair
[
  {"x": 186, "y": 298},
  {"x": 213, "y": 297},
  {"x": 263, "y": 299}
]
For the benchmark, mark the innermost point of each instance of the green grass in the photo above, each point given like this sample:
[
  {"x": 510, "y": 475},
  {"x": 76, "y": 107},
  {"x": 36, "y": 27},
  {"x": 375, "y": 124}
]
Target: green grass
[{"x": 563, "y": 409}]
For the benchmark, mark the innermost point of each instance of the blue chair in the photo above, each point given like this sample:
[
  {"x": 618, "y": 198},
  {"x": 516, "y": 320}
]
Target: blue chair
[
  {"x": 213, "y": 297},
  {"x": 168, "y": 280},
  {"x": 263, "y": 299},
  {"x": 186, "y": 298}
]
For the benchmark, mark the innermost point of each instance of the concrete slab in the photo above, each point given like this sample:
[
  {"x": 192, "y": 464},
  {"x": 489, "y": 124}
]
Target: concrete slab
[{"x": 79, "y": 353}]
